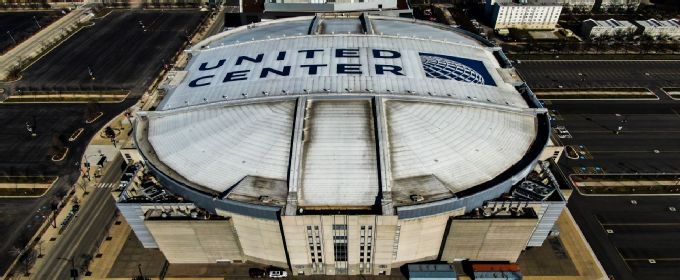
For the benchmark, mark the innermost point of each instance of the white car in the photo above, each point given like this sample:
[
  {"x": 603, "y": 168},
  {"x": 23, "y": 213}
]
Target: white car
[{"x": 278, "y": 274}]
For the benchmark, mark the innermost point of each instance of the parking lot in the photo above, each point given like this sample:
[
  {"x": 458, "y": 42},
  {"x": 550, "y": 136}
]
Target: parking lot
[
  {"x": 124, "y": 50},
  {"x": 632, "y": 241},
  {"x": 23, "y": 154},
  {"x": 624, "y": 136},
  {"x": 121, "y": 54},
  {"x": 620, "y": 136},
  {"x": 22, "y": 25},
  {"x": 600, "y": 74}
]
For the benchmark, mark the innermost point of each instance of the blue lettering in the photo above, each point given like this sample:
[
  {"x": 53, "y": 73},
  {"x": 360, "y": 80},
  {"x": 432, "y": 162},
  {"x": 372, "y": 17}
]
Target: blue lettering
[
  {"x": 347, "y": 53},
  {"x": 257, "y": 59},
  {"x": 235, "y": 76},
  {"x": 380, "y": 69},
  {"x": 195, "y": 82},
  {"x": 309, "y": 53},
  {"x": 204, "y": 65},
  {"x": 349, "y": 68},
  {"x": 266, "y": 71},
  {"x": 390, "y": 54},
  {"x": 313, "y": 68}
]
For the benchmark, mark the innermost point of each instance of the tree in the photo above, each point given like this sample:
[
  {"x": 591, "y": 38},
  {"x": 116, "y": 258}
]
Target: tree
[{"x": 58, "y": 144}]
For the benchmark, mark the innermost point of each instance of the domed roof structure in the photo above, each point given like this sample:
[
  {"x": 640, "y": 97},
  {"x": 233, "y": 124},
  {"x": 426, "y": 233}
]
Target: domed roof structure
[{"x": 342, "y": 113}]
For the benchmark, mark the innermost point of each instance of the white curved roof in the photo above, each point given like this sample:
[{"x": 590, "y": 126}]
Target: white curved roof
[{"x": 381, "y": 111}]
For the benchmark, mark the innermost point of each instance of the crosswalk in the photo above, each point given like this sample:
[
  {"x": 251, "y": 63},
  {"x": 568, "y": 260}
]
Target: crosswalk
[{"x": 105, "y": 185}]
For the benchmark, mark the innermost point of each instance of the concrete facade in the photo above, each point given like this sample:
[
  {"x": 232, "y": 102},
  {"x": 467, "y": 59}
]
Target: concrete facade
[
  {"x": 196, "y": 241},
  {"x": 486, "y": 239}
]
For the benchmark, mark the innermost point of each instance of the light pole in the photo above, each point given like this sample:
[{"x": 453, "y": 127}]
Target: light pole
[
  {"x": 12, "y": 37},
  {"x": 141, "y": 275},
  {"x": 74, "y": 271},
  {"x": 36, "y": 23}
]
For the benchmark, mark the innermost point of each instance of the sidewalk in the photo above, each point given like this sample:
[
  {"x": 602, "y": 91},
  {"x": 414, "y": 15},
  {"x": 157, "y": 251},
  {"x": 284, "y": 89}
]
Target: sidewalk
[
  {"x": 110, "y": 249},
  {"x": 579, "y": 252}
]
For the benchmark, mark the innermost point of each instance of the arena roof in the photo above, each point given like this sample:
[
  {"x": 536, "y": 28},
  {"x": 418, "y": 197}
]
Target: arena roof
[{"x": 342, "y": 117}]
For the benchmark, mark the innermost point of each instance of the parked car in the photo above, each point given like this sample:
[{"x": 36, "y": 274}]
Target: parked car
[
  {"x": 275, "y": 272},
  {"x": 278, "y": 274}
]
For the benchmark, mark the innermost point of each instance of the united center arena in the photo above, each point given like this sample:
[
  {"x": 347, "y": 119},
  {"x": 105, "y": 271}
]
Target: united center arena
[{"x": 343, "y": 144}]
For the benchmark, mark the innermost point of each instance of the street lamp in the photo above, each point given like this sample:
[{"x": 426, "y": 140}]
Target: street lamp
[
  {"x": 141, "y": 275},
  {"x": 74, "y": 271},
  {"x": 36, "y": 22},
  {"x": 12, "y": 37}
]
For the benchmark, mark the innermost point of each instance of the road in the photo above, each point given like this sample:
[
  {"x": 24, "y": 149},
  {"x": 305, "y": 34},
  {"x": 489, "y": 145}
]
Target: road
[{"x": 88, "y": 227}]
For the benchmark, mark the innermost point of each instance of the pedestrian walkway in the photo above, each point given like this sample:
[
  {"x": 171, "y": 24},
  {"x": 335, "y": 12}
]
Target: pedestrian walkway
[
  {"x": 578, "y": 249},
  {"x": 109, "y": 249},
  {"x": 106, "y": 185}
]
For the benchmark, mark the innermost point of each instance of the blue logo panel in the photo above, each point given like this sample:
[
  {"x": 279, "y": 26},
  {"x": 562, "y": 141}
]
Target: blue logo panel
[{"x": 455, "y": 68}]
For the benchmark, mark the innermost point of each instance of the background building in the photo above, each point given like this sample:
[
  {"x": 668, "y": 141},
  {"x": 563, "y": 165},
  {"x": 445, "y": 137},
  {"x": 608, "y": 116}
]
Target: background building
[
  {"x": 340, "y": 144},
  {"x": 523, "y": 14},
  {"x": 660, "y": 28},
  {"x": 577, "y": 5},
  {"x": 611, "y": 27},
  {"x": 619, "y": 4},
  {"x": 327, "y": 6}
]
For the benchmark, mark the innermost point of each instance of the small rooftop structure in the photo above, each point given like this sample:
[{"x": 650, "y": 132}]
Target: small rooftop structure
[
  {"x": 431, "y": 271},
  {"x": 496, "y": 271}
]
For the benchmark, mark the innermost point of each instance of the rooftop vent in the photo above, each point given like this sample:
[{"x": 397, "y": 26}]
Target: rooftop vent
[{"x": 417, "y": 198}]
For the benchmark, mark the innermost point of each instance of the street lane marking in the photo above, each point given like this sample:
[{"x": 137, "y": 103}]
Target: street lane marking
[{"x": 640, "y": 224}]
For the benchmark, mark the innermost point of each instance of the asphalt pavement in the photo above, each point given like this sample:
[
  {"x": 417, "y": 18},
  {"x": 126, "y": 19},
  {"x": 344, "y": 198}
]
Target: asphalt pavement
[
  {"x": 639, "y": 233},
  {"x": 123, "y": 50},
  {"x": 79, "y": 240},
  {"x": 648, "y": 141},
  {"x": 600, "y": 73}
]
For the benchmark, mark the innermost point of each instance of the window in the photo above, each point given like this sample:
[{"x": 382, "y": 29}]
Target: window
[
  {"x": 340, "y": 248},
  {"x": 339, "y": 227}
]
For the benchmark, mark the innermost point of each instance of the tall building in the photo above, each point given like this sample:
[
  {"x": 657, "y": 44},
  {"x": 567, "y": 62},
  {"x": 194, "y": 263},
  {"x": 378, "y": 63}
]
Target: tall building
[
  {"x": 343, "y": 144},
  {"x": 523, "y": 14}
]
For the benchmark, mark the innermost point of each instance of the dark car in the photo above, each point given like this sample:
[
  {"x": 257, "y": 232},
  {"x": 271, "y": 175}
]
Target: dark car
[{"x": 257, "y": 273}]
